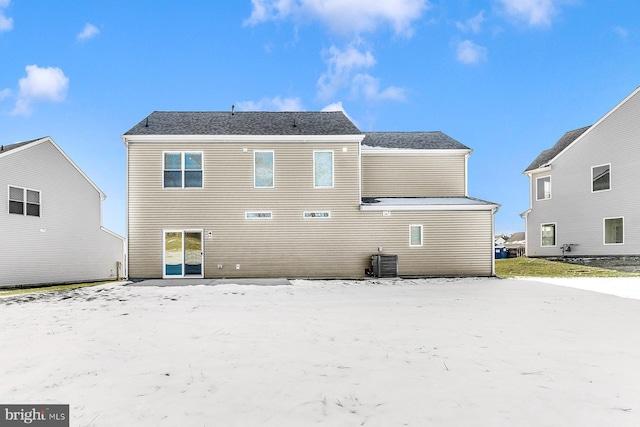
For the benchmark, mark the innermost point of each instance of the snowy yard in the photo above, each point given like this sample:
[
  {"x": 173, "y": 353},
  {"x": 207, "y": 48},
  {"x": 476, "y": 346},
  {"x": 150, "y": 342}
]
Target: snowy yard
[{"x": 442, "y": 352}]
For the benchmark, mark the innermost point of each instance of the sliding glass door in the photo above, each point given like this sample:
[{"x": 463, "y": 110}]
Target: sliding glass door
[{"x": 182, "y": 253}]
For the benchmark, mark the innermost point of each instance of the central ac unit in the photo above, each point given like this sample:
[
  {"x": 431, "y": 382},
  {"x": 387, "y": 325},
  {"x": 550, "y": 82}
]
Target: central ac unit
[{"x": 384, "y": 265}]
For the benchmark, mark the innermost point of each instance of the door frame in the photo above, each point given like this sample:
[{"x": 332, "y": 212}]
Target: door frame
[{"x": 164, "y": 253}]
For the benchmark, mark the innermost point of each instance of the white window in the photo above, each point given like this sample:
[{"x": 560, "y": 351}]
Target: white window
[
  {"x": 23, "y": 201},
  {"x": 316, "y": 214},
  {"x": 258, "y": 215},
  {"x": 415, "y": 235},
  {"x": 543, "y": 188},
  {"x": 601, "y": 178},
  {"x": 263, "y": 169},
  {"x": 548, "y": 234},
  {"x": 614, "y": 231},
  {"x": 182, "y": 170},
  {"x": 323, "y": 169}
]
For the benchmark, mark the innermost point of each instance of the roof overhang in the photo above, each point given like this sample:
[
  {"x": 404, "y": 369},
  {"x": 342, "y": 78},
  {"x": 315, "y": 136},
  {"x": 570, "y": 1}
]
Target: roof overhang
[
  {"x": 377, "y": 151},
  {"x": 545, "y": 168},
  {"x": 429, "y": 204},
  {"x": 57, "y": 147},
  {"x": 177, "y": 139}
]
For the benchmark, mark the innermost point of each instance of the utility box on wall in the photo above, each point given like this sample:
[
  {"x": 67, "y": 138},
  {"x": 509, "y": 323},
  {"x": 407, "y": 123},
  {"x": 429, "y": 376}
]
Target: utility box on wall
[{"x": 384, "y": 265}]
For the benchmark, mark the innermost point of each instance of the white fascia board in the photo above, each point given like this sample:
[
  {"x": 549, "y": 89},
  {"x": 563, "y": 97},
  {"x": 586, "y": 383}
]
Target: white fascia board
[
  {"x": 337, "y": 139},
  {"x": 48, "y": 139},
  {"x": 613, "y": 110},
  {"x": 488, "y": 207},
  {"x": 377, "y": 151},
  {"x": 532, "y": 172}
]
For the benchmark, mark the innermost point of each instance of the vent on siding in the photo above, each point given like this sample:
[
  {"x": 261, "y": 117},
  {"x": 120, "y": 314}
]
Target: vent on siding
[{"x": 384, "y": 265}]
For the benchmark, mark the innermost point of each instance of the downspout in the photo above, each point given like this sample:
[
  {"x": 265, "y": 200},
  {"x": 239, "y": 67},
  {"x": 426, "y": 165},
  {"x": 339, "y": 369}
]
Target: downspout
[
  {"x": 125, "y": 273},
  {"x": 494, "y": 211},
  {"x": 466, "y": 174}
]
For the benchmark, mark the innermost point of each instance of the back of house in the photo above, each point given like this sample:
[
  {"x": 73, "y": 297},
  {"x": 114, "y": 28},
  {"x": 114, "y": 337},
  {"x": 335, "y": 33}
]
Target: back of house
[{"x": 297, "y": 194}]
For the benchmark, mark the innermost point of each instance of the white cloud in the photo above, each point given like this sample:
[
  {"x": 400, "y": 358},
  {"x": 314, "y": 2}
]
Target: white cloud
[
  {"x": 271, "y": 104},
  {"x": 621, "y": 31},
  {"x": 470, "y": 53},
  {"x": 536, "y": 13},
  {"x": 369, "y": 87},
  {"x": 345, "y": 71},
  {"x": 89, "y": 31},
  {"x": 337, "y": 106},
  {"x": 472, "y": 24},
  {"x": 343, "y": 16},
  {"x": 40, "y": 85},
  {"x": 6, "y": 24},
  {"x": 342, "y": 65}
]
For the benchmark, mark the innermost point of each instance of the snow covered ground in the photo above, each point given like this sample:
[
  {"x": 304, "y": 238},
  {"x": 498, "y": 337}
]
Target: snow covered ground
[{"x": 442, "y": 352}]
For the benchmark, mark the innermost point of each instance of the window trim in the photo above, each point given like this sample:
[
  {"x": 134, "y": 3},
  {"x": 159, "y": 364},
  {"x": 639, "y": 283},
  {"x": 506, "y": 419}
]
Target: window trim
[
  {"x": 420, "y": 226},
  {"x": 183, "y": 169},
  {"x": 308, "y": 215},
  {"x": 273, "y": 168},
  {"x": 333, "y": 169},
  {"x": 592, "y": 180},
  {"x": 555, "y": 235},
  {"x": 248, "y": 213},
  {"x": 604, "y": 231},
  {"x": 538, "y": 185},
  {"x": 25, "y": 202}
]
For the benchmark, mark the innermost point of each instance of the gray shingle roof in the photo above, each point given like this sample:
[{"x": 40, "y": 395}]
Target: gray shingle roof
[
  {"x": 245, "y": 123},
  {"x": 5, "y": 148},
  {"x": 412, "y": 140},
  {"x": 547, "y": 155}
]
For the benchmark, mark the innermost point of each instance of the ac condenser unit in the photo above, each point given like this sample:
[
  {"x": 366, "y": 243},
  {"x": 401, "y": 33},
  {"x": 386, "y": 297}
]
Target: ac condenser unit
[{"x": 384, "y": 265}]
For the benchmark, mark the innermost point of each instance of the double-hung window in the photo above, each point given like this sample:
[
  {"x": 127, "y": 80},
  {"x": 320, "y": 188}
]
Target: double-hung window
[
  {"x": 415, "y": 235},
  {"x": 263, "y": 176},
  {"x": 323, "y": 169},
  {"x": 543, "y": 188},
  {"x": 23, "y": 201},
  {"x": 614, "y": 231},
  {"x": 182, "y": 170},
  {"x": 548, "y": 234},
  {"x": 601, "y": 178}
]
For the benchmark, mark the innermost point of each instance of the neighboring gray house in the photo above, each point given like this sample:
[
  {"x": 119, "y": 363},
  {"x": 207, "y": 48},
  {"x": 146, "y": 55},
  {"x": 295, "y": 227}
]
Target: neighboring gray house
[
  {"x": 298, "y": 194},
  {"x": 51, "y": 219},
  {"x": 584, "y": 190}
]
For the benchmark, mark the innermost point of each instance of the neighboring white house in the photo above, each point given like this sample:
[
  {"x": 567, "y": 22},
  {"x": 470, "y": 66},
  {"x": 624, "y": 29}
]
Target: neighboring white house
[
  {"x": 50, "y": 220},
  {"x": 584, "y": 191}
]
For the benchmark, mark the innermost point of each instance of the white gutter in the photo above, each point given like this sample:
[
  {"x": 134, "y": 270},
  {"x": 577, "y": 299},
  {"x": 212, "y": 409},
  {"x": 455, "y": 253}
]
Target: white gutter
[{"x": 175, "y": 139}]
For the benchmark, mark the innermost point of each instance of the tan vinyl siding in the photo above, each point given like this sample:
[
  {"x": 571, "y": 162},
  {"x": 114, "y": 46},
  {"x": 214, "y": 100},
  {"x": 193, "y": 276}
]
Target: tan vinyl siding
[
  {"x": 228, "y": 193},
  {"x": 288, "y": 244},
  {"x": 438, "y": 175}
]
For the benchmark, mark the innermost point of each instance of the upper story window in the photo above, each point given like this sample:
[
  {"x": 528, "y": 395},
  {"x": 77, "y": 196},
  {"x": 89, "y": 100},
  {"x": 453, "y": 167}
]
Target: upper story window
[
  {"x": 543, "y": 188},
  {"x": 263, "y": 169},
  {"x": 323, "y": 169},
  {"x": 182, "y": 170},
  {"x": 548, "y": 234},
  {"x": 23, "y": 201},
  {"x": 613, "y": 231},
  {"x": 601, "y": 178}
]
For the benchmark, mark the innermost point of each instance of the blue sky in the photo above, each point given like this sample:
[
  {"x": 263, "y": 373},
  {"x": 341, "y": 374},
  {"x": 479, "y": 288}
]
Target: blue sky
[{"x": 504, "y": 77}]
